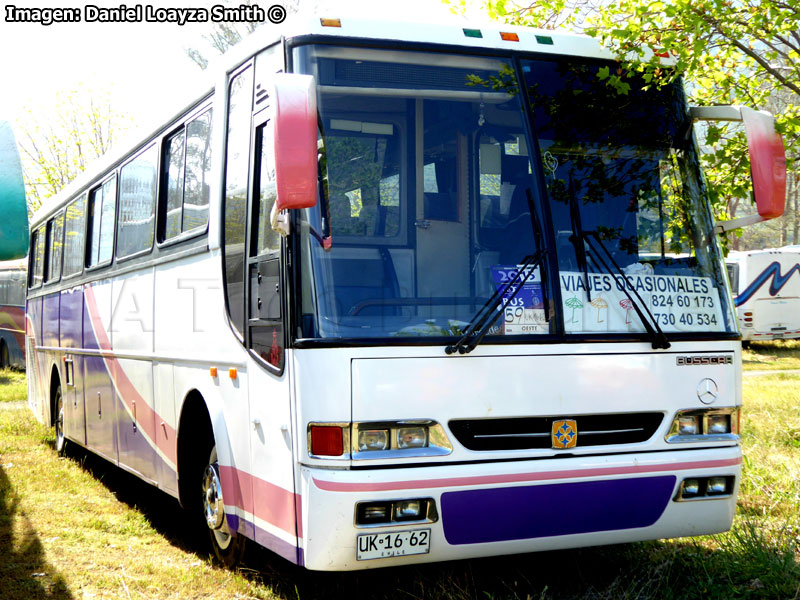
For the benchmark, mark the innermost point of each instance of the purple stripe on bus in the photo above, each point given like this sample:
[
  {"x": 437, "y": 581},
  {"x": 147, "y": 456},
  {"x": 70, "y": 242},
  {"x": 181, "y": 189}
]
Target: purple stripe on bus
[
  {"x": 516, "y": 513},
  {"x": 272, "y": 542}
]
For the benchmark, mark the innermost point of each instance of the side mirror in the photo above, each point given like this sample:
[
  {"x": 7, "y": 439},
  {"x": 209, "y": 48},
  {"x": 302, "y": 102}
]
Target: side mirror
[
  {"x": 767, "y": 159},
  {"x": 14, "y": 224},
  {"x": 295, "y": 141}
]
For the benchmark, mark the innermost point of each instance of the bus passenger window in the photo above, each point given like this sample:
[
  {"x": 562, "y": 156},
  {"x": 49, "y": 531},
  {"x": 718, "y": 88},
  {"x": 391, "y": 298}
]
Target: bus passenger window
[
  {"x": 187, "y": 169},
  {"x": 37, "y": 261},
  {"x": 101, "y": 227},
  {"x": 137, "y": 201},
  {"x": 55, "y": 244},
  {"x": 73, "y": 237}
]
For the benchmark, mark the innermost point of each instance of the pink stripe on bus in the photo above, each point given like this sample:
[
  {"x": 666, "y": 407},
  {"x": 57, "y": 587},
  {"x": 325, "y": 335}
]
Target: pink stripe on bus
[
  {"x": 336, "y": 486},
  {"x": 275, "y": 505}
]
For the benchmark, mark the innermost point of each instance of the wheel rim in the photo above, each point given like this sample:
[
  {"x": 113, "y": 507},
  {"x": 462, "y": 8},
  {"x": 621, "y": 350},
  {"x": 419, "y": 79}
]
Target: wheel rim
[{"x": 213, "y": 504}]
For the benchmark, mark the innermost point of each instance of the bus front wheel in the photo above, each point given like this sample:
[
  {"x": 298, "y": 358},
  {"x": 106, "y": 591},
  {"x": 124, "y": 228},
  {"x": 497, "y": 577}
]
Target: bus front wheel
[{"x": 228, "y": 546}]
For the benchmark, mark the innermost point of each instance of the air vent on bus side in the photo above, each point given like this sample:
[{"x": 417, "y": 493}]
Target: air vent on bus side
[{"x": 535, "y": 432}]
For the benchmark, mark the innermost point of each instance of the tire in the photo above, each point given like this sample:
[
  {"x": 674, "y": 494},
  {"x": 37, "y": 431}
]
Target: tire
[
  {"x": 58, "y": 422},
  {"x": 5, "y": 361},
  {"x": 228, "y": 546}
]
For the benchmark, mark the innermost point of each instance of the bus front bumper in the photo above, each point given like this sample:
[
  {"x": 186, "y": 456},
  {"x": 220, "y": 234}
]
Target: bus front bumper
[{"x": 495, "y": 508}]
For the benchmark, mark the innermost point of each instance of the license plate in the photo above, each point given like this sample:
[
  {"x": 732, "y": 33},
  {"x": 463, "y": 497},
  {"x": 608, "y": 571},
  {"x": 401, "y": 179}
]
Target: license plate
[{"x": 395, "y": 543}]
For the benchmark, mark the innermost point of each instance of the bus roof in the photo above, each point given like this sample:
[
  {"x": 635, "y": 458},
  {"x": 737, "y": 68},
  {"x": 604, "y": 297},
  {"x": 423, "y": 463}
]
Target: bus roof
[{"x": 452, "y": 35}]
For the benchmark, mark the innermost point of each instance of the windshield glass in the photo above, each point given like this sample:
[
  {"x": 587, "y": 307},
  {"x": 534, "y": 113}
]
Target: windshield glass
[
  {"x": 433, "y": 195},
  {"x": 425, "y": 197},
  {"x": 627, "y": 202}
]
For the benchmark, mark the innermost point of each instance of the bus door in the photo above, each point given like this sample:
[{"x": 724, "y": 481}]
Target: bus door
[
  {"x": 440, "y": 220},
  {"x": 270, "y": 414}
]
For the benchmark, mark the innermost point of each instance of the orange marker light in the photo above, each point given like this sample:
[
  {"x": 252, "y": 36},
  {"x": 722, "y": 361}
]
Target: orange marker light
[
  {"x": 212, "y": 371},
  {"x": 509, "y": 37},
  {"x": 232, "y": 373},
  {"x": 330, "y": 22}
]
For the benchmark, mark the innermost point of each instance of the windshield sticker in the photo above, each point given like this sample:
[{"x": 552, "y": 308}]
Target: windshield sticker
[
  {"x": 523, "y": 308},
  {"x": 678, "y": 303}
]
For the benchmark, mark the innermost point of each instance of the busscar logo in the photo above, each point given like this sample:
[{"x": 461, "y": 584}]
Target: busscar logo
[{"x": 714, "y": 359}]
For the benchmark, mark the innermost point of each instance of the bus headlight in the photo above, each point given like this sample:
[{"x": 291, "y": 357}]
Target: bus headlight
[
  {"x": 703, "y": 425},
  {"x": 412, "y": 437},
  {"x": 399, "y": 439},
  {"x": 373, "y": 439}
]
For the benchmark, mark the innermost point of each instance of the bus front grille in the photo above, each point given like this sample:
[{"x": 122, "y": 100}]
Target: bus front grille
[{"x": 523, "y": 433}]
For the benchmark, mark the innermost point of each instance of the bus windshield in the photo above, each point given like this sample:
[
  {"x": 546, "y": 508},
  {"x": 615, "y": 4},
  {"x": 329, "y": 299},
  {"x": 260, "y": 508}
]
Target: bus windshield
[{"x": 434, "y": 193}]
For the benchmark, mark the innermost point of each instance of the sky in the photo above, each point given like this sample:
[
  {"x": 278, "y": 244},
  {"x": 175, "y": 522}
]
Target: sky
[{"x": 133, "y": 62}]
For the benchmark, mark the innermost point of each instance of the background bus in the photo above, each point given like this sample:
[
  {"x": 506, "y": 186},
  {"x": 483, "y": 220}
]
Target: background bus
[
  {"x": 766, "y": 292},
  {"x": 416, "y": 299},
  {"x": 12, "y": 313}
]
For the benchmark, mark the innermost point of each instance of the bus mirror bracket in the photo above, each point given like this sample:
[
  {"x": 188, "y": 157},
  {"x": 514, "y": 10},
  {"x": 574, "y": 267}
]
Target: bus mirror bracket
[
  {"x": 295, "y": 142},
  {"x": 767, "y": 160}
]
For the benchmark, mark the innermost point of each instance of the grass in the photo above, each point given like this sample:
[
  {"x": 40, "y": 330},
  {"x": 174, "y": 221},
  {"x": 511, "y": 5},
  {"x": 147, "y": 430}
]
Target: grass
[
  {"x": 772, "y": 356},
  {"x": 76, "y": 528},
  {"x": 13, "y": 386}
]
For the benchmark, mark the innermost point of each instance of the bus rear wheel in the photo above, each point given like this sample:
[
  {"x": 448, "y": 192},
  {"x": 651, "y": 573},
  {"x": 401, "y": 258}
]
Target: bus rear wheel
[
  {"x": 58, "y": 411},
  {"x": 228, "y": 546}
]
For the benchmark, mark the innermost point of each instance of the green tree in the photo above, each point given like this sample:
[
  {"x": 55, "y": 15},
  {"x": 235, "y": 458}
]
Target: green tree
[
  {"x": 81, "y": 126},
  {"x": 729, "y": 52}
]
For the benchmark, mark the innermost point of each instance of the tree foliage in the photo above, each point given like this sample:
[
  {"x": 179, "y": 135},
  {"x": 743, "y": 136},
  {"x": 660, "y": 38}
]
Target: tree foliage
[
  {"x": 728, "y": 51},
  {"x": 80, "y": 127}
]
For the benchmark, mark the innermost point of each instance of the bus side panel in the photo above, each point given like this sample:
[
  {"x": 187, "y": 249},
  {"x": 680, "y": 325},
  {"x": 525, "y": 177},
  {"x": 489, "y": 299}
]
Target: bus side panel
[
  {"x": 101, "y": 413},
  {"x": 164, "y": 399},
  {"x": 71, "y": 317},
  {"x": 132, "y": 333},
  {"x": 273, "y": 509},
  {"x": 38, "y": 400}
]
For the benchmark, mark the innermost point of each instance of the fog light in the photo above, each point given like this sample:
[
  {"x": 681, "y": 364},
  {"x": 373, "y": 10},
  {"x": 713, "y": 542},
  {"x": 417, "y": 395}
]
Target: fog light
[
  {"x": 373, "y": 439},
  {"x": 373, "y": 513},
  {"x": 718, "y": 423},
  {"x": 408, "y": 510},
  {"x": 690, "y": 487},
  {"x": 412, "y": 437},
  {"x": 717, "y": 485},
  {"x": 688, "y": 425}
]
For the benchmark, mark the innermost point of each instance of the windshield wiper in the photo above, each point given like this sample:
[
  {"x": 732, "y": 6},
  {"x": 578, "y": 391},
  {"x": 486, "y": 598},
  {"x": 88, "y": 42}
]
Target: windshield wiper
[
  {"x": 492, "y": 309},
  {"x": 659, "y": 338}
]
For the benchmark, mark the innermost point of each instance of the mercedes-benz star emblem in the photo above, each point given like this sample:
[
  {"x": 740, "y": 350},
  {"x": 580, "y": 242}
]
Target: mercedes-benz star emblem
[{"x": 707, "y": 390}]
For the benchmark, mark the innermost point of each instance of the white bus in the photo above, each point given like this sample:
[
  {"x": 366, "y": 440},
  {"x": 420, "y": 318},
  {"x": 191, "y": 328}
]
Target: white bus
[
  {"x": 766, "y": 292},
  {"x": 391, "y": 294}
]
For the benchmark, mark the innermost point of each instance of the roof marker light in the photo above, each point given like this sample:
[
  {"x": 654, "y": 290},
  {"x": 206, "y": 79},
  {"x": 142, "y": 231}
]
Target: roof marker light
[
  {"x": 508, "y": 36},
  {"x": 473, "y": 33},
  {"x": 544, "y": 39},
  {"x": 330, "y": 22}
]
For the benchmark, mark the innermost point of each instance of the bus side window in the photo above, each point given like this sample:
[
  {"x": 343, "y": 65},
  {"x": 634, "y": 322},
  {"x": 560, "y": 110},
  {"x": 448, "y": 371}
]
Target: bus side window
[
  {"x": 186, "y": 172},
  {"x": 73, "y": 236},
  {"x": 102, "y": 206},
  {"x": 37, "y": 260},
  {"x": 137, "y": 204},
  {"x": 55, "y": 244}
]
